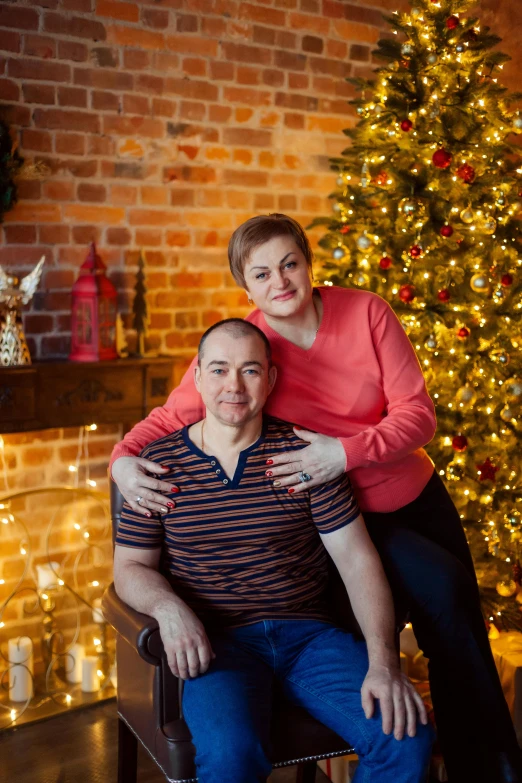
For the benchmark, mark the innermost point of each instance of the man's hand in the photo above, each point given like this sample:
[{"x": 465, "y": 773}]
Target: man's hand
[
  {"x": 399, "y": 701},
  {"x": 186, "y": 644},
  {"x": 130, "y": 474},
  {"x": 324, "y": 460}
]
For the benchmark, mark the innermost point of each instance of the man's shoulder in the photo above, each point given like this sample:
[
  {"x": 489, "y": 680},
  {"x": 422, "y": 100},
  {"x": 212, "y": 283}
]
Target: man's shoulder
[
  {"x": 280, "y": 434},
  {"x": 168, "y": 443}
]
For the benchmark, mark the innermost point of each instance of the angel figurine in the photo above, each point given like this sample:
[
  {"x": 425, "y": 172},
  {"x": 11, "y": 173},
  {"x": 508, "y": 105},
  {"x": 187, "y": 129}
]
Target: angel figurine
[{"x": 13, "y": 294}]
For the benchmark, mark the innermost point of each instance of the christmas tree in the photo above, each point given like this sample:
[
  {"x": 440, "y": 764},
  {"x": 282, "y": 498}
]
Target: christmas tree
[{"x": 427, "y": 215}]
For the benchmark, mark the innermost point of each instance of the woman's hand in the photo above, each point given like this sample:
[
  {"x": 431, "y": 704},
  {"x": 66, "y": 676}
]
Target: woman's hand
[
  {"x": 130, "y": 474},
  {"x": 324, "y": 460},
  {"x": 401, "y": 706}
]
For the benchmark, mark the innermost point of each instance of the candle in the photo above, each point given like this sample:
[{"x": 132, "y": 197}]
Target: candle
[
  {"x": 408, "y": 642},
  {"x": 20, "y": 655},
  {"x": 73, "y": 662},
  {"x": 97, "y": 614},
  {"x": 90, "y": 677},
  {"x": 47, "y": 575}
]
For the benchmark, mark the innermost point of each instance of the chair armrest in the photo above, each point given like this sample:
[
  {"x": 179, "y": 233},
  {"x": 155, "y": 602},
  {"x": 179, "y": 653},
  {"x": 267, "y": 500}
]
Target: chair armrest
[{"x": 139, "y": 630}]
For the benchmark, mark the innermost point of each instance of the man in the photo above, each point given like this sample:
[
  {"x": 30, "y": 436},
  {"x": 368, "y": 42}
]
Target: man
[{"x": 245, "y": 599}]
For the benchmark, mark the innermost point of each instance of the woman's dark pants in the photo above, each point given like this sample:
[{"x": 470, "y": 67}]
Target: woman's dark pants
[{"x": 429, "y": 566}]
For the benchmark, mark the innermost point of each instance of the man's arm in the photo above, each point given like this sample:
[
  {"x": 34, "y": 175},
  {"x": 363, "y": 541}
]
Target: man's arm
[
  {"x": 139, "y": 583},
  {"x": 360, "y": 567}
]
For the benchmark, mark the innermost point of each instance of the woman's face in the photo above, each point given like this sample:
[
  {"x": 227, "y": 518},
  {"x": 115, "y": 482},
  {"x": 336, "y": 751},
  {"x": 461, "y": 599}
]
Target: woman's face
[{"x": 278, "y": 278}]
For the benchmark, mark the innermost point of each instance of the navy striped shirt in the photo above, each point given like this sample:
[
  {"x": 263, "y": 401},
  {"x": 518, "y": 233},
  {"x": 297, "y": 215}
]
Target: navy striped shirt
[{"x": 239, "y": 550}]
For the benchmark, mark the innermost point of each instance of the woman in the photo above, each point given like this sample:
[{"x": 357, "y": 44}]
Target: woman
[{"x": 347, "y": 371}]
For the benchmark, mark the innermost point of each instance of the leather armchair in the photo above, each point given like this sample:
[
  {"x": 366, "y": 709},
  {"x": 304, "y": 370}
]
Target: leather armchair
[{"x": 150, "y": 705}]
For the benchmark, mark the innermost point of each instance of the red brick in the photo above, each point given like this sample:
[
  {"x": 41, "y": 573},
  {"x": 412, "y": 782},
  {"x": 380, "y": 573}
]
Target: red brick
[
  {"x": 332, "y": 67},
  {"x": 59, "y": 278},
  {"x": 70, "y": 143},
  {"x": 100, "y": 145},
  {"x": 182, "y": 197},
  {"x": 82, "y": 6},
  {"x": 105, "y": 57},
  {"x": 9, "y": 91},
  {"x": 311, "y": 6},
  {"x": 88, "y": 191},
  {"x": 245, "y": 178},
  {"x": 37, "y": 69},
  {"x": 154, "y": 195},
  {"x": 194, "y": 66},
  {"x": 333, "y": 9},
  {"x": 20, "y": 234},
  {"x": 103, "y": 79},
  {"x": 53, "y": 235},
  {"x": 14, "y": 114},
  {"x": 29, "y": 189},
  {"x": 186, "y": 23},
  {"x": 152, "y": 217},
  {"x": 219, "y": 113},
  {"x": 298, "y": 81},
  {"x": 18, "y": 17},
  {"x": 133, "y": 36},
  {"x": 57, "y": 190},
  {"x": 272, "y": 77},
  {"x": 246, "y": 54},
  {"x": 80, "y": 168},
  {"x": 258, "y": 13},
  {"x": 9, "y": 41},
  {"x": 72, "y": 50},
  {"x": 359, "y": 52},
  {"x": 118, "y": 236},
  {"x": 127, "y": 12},
  {"x": 136, "y": 104},
  {"x": 136, "y": 60},
  {"x": 199, "y": 90},
  {"x": 263, "y": 201},
  {"x": 74, "y": 26},
  {"x": 39, "y": 93},
  {"x": 155, "y": 17},
  {"x": 214, "y": 28},
  {"x": 286, "y": 40},
  {"x": 247, "y": 96},
  {"x": 105, "y": 101},
  {"x": 177, "y": 238},
  {"x": 248, "y": 137},
  {"x": 263, "y": 35},
  {"x": 337, "y": 49},
  {"x": 290, "y": 61},
  {"x": 294, "y": 121},
  {"x": 192, "y": 44},
  {"x": 287, "y": 202},
  {"x": 33, "y": 213},
  {"x": 67, "y": 120},
  {"x": 163, "y": 107},
  {"x": 72, "y": 96},
  {"x": 146, "y": 82},
  {"x": 130, "y": 126},
  {"x": 247, "y": 75},
  {"x": 198, "y": 174},
  {"x": 149, "y": 237},
  {"x": 123, "y": 195},
  {"x": 311, "y": 43},
  {"x": 220, "y": 71},
  {"x": 315, "y": 24},
  {"x": 39, "y": 46},
  {"x": 93, "y": 214}
]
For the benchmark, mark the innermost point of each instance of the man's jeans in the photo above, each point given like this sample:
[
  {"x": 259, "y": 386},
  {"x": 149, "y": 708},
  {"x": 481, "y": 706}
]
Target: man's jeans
[{"x": 321, "y": 668}]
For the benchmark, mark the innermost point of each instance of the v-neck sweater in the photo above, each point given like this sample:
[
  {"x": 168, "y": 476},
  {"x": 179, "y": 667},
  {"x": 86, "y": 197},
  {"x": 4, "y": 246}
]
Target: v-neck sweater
[{"x": 360, "y": 381}]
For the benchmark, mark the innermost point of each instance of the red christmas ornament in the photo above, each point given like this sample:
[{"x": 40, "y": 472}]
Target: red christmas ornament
[
  {"x": 345, "y": 229},
  {"x": 415, "y": 251},
  {"x": 444, "y": 295},
  {"x": 460, "y": 443},
  {"x": 460, "y": 241},
  {"x": 381, "y": 178},
  {"x": 463, "y": 333},
  {"x": 452, "y": 22},
  {"x": 487, "y": 470},
  {"x": 385, "y": 262},
  {"x": 406, "y": 125},
  {"x": 404, "y": 63},
  {"x": 442, "y": 159},
  {"x": 93, "y": 315},
  {"x": 446, "y": 231},
  {"x": 407, "y": 293},
  {"x": 506, "y": 280},
  {"x": 466, "y": 172}
]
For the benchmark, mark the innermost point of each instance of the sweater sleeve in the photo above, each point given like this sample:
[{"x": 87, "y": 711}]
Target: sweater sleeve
[
  {"x": 183, "y": 406},
  {"x": 410, "y": 421}
]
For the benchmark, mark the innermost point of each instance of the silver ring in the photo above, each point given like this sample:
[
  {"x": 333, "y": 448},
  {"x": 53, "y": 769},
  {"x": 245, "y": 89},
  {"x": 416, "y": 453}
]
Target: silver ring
[
  {"x": 304, "y": 476},
  {"x": 139, "y": 499}
]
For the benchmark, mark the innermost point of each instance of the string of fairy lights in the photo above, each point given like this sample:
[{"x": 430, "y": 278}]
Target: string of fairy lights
[{"x": 426, "y": 214}]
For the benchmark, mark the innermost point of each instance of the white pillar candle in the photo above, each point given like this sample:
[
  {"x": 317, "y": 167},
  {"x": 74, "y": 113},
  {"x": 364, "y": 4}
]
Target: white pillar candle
[
  {"x": 20, "y": 655},
  {"x": 97, "y": 614},
  {"x": 47, "y": 575},
  {"x": 90, "y": 677},
  {"x": 408, "y": 642},
  {"x": 73, "y": 662}
]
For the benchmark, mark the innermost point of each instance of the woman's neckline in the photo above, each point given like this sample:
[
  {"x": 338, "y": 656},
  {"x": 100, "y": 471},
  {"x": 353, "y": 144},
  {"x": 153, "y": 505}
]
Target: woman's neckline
[{"x": 307, "y": 353}]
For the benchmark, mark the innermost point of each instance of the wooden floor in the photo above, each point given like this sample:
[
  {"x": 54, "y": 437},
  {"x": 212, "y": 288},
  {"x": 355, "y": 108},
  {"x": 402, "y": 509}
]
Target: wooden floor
[{"x": 80, "y": 747}]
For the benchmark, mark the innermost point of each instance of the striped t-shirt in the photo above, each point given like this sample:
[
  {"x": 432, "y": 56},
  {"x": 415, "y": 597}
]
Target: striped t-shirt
[{"x": 239, "y": 550}]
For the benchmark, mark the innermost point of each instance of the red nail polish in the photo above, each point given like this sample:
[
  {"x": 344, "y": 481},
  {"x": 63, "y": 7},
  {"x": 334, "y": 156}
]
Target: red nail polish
[
  {"x": 148, "y": 515},
  {"x": 165, "y": 467},
  {"x": 269, "y": 473},
  {"x": 175, "y": 489},
  {"x": 291, "y": 490},
  {"x": 270, "y": 462},
  {"x": 170, "y": 505}
]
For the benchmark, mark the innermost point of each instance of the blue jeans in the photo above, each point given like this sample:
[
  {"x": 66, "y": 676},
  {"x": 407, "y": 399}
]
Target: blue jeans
[{"x": 321, "y": 668}]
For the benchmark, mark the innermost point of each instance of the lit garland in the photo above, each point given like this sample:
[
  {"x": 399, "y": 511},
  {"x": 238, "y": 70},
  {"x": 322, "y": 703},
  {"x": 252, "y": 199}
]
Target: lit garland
[{"x": 426, "y": 214}]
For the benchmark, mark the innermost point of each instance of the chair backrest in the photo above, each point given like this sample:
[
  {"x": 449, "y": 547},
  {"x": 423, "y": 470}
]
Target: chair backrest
[{"x": 117, "y": 501}]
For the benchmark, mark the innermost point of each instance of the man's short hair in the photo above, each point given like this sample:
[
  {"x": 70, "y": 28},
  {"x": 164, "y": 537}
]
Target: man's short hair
[{"x": 236, "y": 327}]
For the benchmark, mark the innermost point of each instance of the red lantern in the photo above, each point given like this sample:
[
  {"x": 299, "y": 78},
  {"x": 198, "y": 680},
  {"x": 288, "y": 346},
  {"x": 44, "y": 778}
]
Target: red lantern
[{"x": 93, "y": 319}]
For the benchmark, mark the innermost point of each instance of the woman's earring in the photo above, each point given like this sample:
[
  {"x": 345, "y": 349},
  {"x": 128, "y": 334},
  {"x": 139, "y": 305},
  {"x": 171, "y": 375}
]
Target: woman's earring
[{"x": 250, "y": 301}]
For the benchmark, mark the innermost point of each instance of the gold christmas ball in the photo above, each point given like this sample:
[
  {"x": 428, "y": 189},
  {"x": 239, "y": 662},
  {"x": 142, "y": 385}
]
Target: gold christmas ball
[
  {"x": 467, "y": 215},
  {"x": 513, "y": 517},
  {"x": 408, "y": 207},
  {"x": 507, "y": 588},
  {"x": 454, "y": 471},
  {"x": 507, "y": 413},
  {"x": 467, "y": 395},
  {"x": 516, "y": 536},
  {"x": 479, "y": 283},
  {"x": 485, "y": 499},
  {"x": 513, "y": 388},
  {"x": 518, "y": 599},
  {"x": 489, "y": 225}
]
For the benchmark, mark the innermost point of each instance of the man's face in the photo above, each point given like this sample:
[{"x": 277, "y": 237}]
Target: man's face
[{"x": 234, "y": 378}]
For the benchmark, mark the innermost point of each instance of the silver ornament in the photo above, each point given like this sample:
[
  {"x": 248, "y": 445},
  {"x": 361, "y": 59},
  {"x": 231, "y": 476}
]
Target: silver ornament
[
  {"x": 466, "y": 394},
  {"x": 339, "y": 182},
  {"x": 338, "y": 253},
  {"x": 507, "y": 413},
  {"x": 360, "y": 278},
  {"x": 407, "y": 49},
  {"x": 432, "y": 59},
  {"x": 337, "y": 207},
  {"x": 364, "y": 182},
  {"x": 467, "y": 215},
  {"x": 459, "y": 48},
  {"x": 407, "y": 206},
  {"x": 489, "y": 225},
  {"x": 415, "y": 12},
  {"x": 430, "y": 343},
  {"x": 518, "y": 123},
  {"x": 513, "y": 388},
  {"x": 363, "y": 242},
  {"x": 499, "y": 357},
  {"x": 479, "y": 283},
  {"x": 360, "y": 110}
]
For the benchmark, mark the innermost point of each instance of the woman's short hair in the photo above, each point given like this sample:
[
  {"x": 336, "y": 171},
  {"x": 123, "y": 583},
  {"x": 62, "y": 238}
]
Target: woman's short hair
[{"x": 257, "y": 231}]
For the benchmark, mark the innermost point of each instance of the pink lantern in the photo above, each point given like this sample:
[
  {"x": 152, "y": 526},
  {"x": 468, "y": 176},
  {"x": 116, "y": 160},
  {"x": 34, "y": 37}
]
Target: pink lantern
[{"x": 93, "y": 319}]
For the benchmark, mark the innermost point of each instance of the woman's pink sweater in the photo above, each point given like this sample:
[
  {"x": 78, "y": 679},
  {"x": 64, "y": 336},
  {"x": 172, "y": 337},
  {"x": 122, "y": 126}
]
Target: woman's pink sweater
[{"x": 360, "y": 382}]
